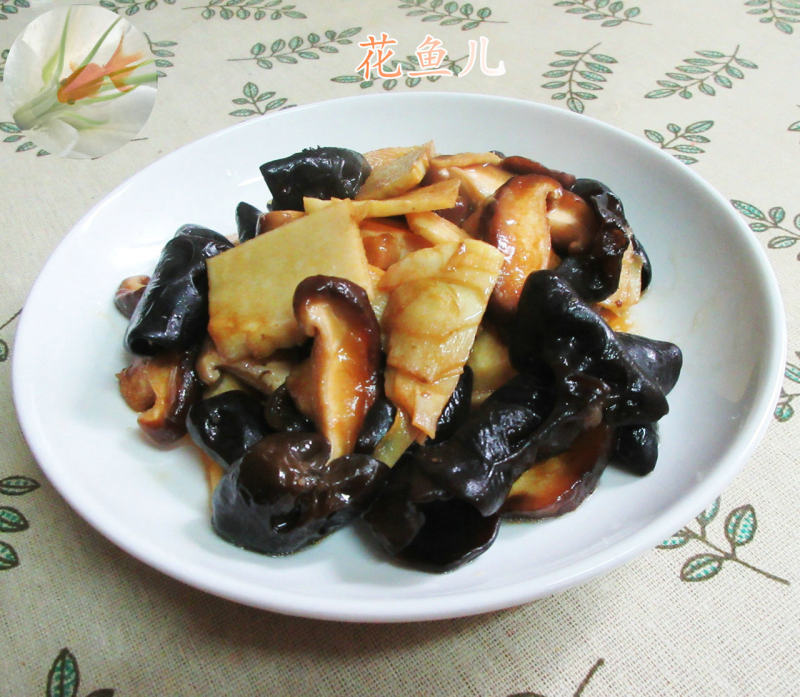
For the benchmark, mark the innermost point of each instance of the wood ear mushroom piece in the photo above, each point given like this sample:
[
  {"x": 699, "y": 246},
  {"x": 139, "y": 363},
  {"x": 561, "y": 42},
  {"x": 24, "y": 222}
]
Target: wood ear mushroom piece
[
  {"x": 515, "y": 221},
  {"x": 345, "y": 358}
]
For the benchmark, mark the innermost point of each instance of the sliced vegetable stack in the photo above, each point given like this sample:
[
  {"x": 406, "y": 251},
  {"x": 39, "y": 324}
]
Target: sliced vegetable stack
[{"x": 427, "y": 343}]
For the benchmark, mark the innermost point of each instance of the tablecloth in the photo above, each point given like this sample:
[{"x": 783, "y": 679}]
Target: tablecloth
[{"x": 712, "y": 611}]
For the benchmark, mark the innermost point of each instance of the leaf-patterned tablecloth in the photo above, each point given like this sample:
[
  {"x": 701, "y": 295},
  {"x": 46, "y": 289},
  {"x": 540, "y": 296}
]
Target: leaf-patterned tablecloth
[{"x": 712, "y": 611}]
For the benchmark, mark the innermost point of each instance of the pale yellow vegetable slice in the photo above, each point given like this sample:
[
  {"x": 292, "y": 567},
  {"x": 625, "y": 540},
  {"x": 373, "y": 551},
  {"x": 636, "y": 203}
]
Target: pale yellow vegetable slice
[
  {"x": 425, "y": 198},
  {"x": 396, "y": 176},
  {"x": 397, "y": 439},
  {"x": 379, "y": 157},
  {"x": 434, "y": 228},
  {"x": 437, "y": 297},
  {"x": 490, "y": 363},
  {"x": 481, "y": 181},
  {"x": 465, "y": 159},
  {"x": 629, "y": 289},
  {"x": 251, "y": 286}
]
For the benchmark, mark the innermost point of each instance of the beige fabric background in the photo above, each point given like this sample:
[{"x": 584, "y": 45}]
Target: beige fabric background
[{"x": 74, "y": 602}]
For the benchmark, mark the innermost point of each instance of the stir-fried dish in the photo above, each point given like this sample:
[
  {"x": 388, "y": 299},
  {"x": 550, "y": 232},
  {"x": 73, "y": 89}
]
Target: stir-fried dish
[{"x": 424, "y": 343}]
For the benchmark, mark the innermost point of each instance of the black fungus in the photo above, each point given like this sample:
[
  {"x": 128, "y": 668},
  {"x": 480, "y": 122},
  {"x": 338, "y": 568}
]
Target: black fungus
[
  {"x": 173, "y": 311},
  {"x": 227, "y": 425},
  {"x": 284, "y": 494},
  {"x": 377, "y": 422},
  {"x": 661, "y": 361},
  {"x": 325, "y": 172},
  {"x": 247, "y": 217},
  {"x": 457, "y": 409},
  {"x": 282, "y": 413},
  {"x": 595, "y": 274},
  {"x": 557, "y": 333},
  {"x": 635, "y": 448}
]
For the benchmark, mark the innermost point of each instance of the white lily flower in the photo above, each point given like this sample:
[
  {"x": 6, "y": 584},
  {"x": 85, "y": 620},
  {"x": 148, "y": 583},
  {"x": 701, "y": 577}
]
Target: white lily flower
[{"x": 76, "y": 80}]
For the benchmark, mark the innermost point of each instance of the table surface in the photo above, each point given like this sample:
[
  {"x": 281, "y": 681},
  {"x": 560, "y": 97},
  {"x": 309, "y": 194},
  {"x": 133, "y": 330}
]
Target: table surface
[{"x": 716, "y": 84}]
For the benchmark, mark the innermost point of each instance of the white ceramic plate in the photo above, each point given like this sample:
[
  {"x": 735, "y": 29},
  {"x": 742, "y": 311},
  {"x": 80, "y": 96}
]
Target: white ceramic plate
[{"x": 713, "y": 293}]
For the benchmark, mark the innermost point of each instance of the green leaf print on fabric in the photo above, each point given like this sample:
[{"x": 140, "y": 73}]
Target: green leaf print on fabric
[
  {"x": 132, "y": 7},
  {"x": 63, "y": 679},
  {"x": 739, "y": 529},
  {"x": 255, "y": 103},
  {"x": 578, "y": 76},
  {"x": 454, "y": 65},
  {"x": 12, "y": 520},
  {"x": 690, "y": 135},
  {"x": 10, "y": 133},
  {"x": 609, "y": 14},
  {"x": 11, "y": 7},
  {"x": 772, "y": 220},
  {"x": 3, "y": 57},
  {"x": 700, "y": 71},
  {"x": 782, "y": 14},
  {"x": 247, "y": 9},
  {"x": 162, "y": 50},
  {"x": 448, "y": 13},
  {"x": 287, "y": 52},
  {"x": 791, "y": 389}
]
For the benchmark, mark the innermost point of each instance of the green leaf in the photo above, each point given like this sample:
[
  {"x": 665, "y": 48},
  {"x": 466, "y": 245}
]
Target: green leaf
[
  {"x": 451, "y": 7},
  {"x": 796, "y": 221},
  {"x": 295, "y": 42},
  {"x": 759, "y": 227},
  {"x": 469, "y": 25},
  {"x": 451, "y": 21},
  {"x": 568, "y": 53},
  {"x": 559, "y": 95},
  {"x": 294, "y": 14},
  {"x": 63, "y": 678},
  {"x": 8, "y": 556},
  {"x": 782, "y": 25},
  {"x": 688, "y": 148},
  {"x": 240, "y": 100},
  {"x": 250, "y": 90},
  {"x": 275, "y": 104},
  {"x": 308, "y": 55},
  {"x": 723, "y": 81},
  {"x": 555, "y": 73},
  {"x": 163, "y": 53},
  {"x": 413, "y": 81},
  {"x": 26, "y": 146},
  {"x": 734, "y": 72},
  {"x": 701, "y": 567},
  {"x": 710, "y": 54},
  {"x": 693, "y": 69},
  {"x": 575, "y": 105},
  {"x": 313, "y": 38},
  {"x": 591, "y": 76},
  {"x": 562, "y": 63},
  {"x": 776, "y": 214},
  {"x": 792, "y": 372},
  {"x": 685, "y": 159},
  {"x": 748, "y": 210},
  {"x": 603, "y": 58},
  {"x": 484, "y": 13},
  {"x": 706, "y": 516},
  {"x": 13, "y": 139},
  {"x": 696, "y": 139},
  {"x": 208, "y": 13},
  {"x": 655, "y": 136},
  {"x": 257, "y": 49},
  {"x": 17, "y": 485},
  {"x": 679, "y": 539},
  {"x": 632, "y": 12},
  {"x": 699, "y": 61},
  {"x": 781, "y": 242},
  {"x": 707, "y": 89},
  {"x": 784, "y": 412},
  {"x": 283, "y": 58},
  {"x": 264, "y": 63},
  {"x": 699, "y": 126},
  {"x": 668, "y": 83},
  {"x": 745, "y": 63},
  {"x": 346, "y": 78},
  {"x": 328, "y": 49},
  {"x": 673, "y": 128},
  {"x": 243, "y": 112},
  {"x": 547, "y": 85},
  {"x": 659, "y": 94},
  {"x": 467, "y": 9},
  {"x": 741, "y": 525},
  {"x": 389, "y": 84},
  {"x": 11, "y": 520},
  {"x": 598, "y": 67},
  {"x": 264, "y": 96},
  {"x": 794, "y": 126},
  {"x": 163, "y": 63}
]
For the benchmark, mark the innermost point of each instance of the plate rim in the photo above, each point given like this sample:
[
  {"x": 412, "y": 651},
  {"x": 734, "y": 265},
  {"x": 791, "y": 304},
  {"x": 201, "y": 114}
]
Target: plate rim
[{"x": 438, "y": 607}]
